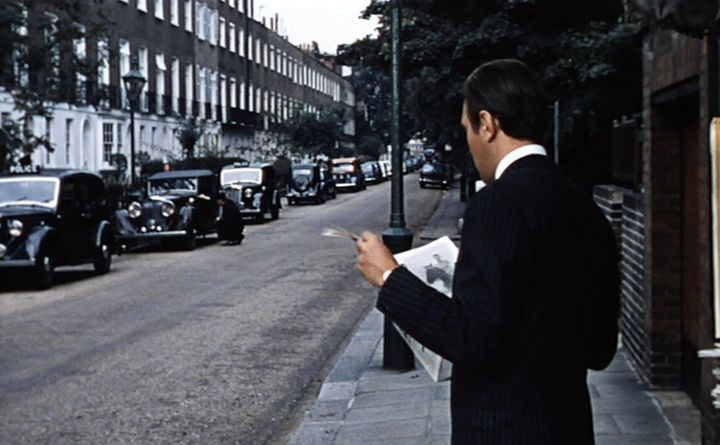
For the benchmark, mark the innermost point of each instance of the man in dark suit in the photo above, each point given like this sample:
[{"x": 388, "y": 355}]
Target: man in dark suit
[
  {"x": 230, "y": 225},
  {"x": 535, "y": 292}
]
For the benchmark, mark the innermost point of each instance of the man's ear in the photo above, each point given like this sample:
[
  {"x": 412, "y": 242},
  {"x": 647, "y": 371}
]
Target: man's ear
[{"x": 489, "y": 125}]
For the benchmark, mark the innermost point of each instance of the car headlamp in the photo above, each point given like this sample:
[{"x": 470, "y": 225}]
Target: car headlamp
[
  {"x": 15, "y": 227},
  {"x": 3, "y": 249},
  {"x": 353, "y": 179},
  {"x": 191, "y": 200},
  {"x": 248, "y": 193},
  {"x": 168, "y": 209},
  {"x": 135, "y": 209}
]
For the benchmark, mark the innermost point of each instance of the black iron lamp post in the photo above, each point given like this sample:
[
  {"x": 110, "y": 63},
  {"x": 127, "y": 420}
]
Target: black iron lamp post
[
  {"x": 134, "y": 82},
  {"x": 398, "y": 238}
]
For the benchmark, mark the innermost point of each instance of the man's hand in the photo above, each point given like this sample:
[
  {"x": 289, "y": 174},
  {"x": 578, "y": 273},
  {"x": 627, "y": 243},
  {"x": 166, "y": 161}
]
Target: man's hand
[{"x": 374, "y": 258}]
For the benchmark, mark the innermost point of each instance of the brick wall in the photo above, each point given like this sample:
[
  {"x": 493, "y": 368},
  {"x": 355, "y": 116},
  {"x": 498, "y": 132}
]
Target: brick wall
[
  {"x": 664, "y": 251},
  {"x": 610, "y": 200},
  {"x": 625, "y": 211},
  {"x": 671, "y": 65},
  {"x": 634, "y": 310},
  {"x": 680, "y": 96}
]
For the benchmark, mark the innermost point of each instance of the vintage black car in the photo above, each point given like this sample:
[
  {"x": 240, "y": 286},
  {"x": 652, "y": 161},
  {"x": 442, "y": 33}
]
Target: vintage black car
[
  {"x": 372, "y": 172},
  {"x": 54, "y": 218},
  {"x": 253, "y": 188},
  {"x": 436, "y": 174},
  {"x": 311, "y": 182},
  {"x": 179, "y": 205},
  {"x": 348, "y": 174}
]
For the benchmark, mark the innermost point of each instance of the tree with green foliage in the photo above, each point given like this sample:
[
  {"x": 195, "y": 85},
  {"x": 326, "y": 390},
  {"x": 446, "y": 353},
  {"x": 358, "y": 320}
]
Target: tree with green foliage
[
  {"x": 372, "y": 117},
  {"x": 587, "y": 56},
  {"x": 313, "y": 134},
  {"x": 34, "y": 70},
  {"x": 189, "y": 133}
]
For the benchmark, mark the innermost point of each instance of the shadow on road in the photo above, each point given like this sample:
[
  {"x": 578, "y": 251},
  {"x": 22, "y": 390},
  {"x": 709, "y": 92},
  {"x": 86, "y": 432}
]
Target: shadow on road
[
  {"x": 168, "y": 245},
  {"x": 22, "y": 280}
]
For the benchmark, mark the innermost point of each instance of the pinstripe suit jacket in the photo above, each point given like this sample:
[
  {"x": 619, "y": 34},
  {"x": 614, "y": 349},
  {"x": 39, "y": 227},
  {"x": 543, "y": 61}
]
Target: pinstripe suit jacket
[{"x": 535, "y": 304}]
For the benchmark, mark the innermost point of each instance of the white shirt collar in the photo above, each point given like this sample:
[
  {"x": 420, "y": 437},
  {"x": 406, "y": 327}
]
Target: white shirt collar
[{"x": 520, "y": 152}]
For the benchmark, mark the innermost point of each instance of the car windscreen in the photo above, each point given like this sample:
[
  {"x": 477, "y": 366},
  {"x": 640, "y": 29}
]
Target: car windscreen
[
  {"x": 298, "y": 172},
  {"x": 172, "y": 185},
  {"x": 249, "y": 175},
  {"x": 29, "y": 191},
  {"x": 343, "y": 168},
  {"x": 428, "y": 168}
]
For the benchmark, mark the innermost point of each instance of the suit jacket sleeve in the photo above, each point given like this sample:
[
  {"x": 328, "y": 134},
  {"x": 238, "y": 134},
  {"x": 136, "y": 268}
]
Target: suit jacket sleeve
[{"x": 467, "y": 328}]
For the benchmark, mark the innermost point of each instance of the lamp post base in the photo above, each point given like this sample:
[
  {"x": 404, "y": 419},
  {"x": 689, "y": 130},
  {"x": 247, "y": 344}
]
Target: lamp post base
[
  {"x": 396, "y": 354},
  {"x": 398, "y": 239}
]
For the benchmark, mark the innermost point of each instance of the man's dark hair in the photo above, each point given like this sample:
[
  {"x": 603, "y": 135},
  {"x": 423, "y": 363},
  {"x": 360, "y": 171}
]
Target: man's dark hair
[
  {"x": 507, "y": 89},
  {"x": 221, "y": 196}
]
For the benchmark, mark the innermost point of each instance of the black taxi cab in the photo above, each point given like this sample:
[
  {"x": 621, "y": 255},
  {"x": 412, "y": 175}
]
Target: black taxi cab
[{"x": 253, "y": 188}]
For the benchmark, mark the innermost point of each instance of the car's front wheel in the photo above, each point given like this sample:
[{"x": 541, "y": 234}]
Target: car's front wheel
[
  {"x": 104, "y": 261},
  {"x": 44, "y": 273}
]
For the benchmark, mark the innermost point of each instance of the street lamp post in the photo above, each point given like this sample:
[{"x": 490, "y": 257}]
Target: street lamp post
[
  {"x": 134, "y": 82},
  {"x": 398, "y": 238}
]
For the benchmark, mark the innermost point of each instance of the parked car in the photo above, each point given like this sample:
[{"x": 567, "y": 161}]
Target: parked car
[
  {"x": 328, "y": 181},
  {"x": 348, "y": 174},
  {"x": 408, "y": 165},
  {"x": 371, "y": 170},
  {"x": 436, "y": 174},
  {"x": 179, "y": 205},
  {"x": 384, "y": 174},
  {"x": 52, "y": 219},
  {"x": 386, "y": 167},
  {"x": 253, "y": 188},
  {"x": 311, "y": 182}
]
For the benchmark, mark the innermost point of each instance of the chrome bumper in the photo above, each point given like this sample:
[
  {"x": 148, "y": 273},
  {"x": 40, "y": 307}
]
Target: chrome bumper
[
  {"x": 16, "y": 263},
  {"x": 168, "y": 234}
]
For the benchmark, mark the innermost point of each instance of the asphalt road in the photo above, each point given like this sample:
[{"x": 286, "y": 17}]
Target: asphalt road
[{"x": 225, "y": 344}]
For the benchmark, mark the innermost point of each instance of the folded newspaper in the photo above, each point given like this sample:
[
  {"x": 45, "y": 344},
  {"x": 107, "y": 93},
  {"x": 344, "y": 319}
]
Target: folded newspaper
[{"x": 433, "y": 263}]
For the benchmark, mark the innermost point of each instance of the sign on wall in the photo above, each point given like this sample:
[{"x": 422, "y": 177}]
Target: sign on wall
[{"x": 714, "y": 170}]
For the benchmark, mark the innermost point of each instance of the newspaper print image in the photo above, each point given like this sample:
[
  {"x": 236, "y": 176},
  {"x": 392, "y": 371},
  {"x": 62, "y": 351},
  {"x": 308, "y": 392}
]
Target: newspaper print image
[
  {"x": 439, "y": 274},
  {"x": 434, "y": 263}
]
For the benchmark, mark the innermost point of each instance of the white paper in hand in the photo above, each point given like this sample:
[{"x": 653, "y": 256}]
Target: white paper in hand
[{"x": 433, "y": 263}]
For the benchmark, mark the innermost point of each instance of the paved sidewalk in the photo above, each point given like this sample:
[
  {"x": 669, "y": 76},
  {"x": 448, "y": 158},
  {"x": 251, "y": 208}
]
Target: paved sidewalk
[{"x": 362, "y": 403}]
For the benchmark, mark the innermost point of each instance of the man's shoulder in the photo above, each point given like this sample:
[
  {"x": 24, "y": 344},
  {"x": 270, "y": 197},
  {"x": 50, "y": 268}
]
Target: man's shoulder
[
  {"x": 509, "y": 185},
  {"x": 489, "y": 191},
  {"x": 535, "y": 178},
  {"x": 495, "y": 200}
]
